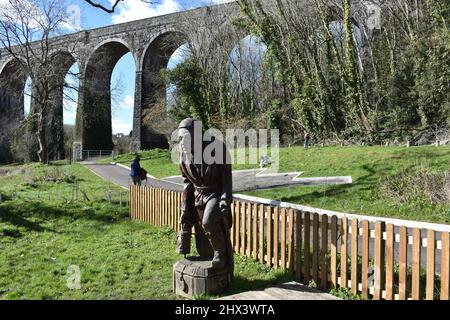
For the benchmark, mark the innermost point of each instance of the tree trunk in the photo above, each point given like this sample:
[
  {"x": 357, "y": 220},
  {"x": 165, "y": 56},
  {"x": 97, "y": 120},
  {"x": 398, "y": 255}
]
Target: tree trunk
[{"x": 42, "y": 140}]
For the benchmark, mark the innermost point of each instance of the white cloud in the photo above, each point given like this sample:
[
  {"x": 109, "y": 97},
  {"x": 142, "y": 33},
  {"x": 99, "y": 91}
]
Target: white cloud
[
  {"x": 131, "y": 10},
  {"x": 221, "y": 1},
  {"x": 127, "y": 103},
  {"x": 181, "y": 54},
  {"x": 70, "y": 111},
  {"x": 120, "y": 126}
]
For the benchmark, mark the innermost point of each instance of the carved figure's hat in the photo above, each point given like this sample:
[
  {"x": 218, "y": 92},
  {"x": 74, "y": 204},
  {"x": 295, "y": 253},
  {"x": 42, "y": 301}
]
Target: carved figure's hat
[{"x": 187, "y": 124}]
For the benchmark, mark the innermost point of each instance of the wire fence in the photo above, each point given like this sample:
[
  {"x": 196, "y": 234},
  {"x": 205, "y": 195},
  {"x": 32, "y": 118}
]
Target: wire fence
[
  {"x": 68, "y": 194},
  {"x": 94, "y": 155}
]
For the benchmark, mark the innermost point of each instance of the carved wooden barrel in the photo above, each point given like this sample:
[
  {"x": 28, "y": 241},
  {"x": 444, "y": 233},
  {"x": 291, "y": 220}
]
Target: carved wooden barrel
[{"x": 194, "y": 277}]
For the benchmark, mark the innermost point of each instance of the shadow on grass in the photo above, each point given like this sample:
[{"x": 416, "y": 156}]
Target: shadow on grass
[{"x": 33, "y": 215}]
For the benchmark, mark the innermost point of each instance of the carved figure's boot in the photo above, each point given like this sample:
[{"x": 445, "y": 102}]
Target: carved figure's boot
[
  {"x": 219, "y": 248},
  {"x": 184, "y": 241}
]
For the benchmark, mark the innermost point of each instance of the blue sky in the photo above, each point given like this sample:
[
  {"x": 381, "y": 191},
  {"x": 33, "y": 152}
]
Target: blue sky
[{"x": 87, "y": 17}]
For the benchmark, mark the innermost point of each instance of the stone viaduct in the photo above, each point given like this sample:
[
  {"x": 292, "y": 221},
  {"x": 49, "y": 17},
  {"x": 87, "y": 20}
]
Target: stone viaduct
[{"x": 151, "y": 41}]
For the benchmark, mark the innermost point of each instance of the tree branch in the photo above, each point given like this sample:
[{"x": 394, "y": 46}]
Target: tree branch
[{"x": 113, "y": 8}]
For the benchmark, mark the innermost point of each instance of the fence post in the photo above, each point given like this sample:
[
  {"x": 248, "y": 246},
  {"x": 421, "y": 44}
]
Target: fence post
[
  {"x": 344, "y": 252},
  {"x": 379, "y": 260},
  {"x": 445, "y": 264},
  {"x": 261, "y": 233},
  {"x": 431, "y": 247},
  {"x": 365, "y": 258},
  {"x": 417, "y": 243},
  {"x": 307, "y": 246},
  {"x": 390, "y": 240}
]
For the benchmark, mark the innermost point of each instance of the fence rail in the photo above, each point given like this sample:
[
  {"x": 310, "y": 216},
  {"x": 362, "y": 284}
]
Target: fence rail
[
  {"x": 89, "y": 155},
  {"x": 373, "y": 258}
]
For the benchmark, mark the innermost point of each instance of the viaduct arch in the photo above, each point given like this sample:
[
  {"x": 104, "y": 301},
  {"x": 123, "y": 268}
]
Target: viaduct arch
[{"x": 151, "y": 42}]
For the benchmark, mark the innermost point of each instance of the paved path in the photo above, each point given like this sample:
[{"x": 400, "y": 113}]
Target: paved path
[
  {"x": 121, "y": 176},
  {"x": 244, "y": 180},
  {"x": 248, "y": 180},
  {"x": 286, "y": 291}
]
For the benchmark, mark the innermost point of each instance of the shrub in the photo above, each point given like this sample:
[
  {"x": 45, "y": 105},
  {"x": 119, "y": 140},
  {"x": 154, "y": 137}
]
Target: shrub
[{"x": 417, "y": 185}]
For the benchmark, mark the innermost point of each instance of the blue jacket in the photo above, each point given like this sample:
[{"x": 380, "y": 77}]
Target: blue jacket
[{"x": 135, "y": 167}]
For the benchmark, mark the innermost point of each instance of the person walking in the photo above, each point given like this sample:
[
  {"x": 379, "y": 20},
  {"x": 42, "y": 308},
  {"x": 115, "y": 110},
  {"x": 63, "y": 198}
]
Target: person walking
[
  {"x": 307, "y": 139},
  {"x": 135, "y": 170}
]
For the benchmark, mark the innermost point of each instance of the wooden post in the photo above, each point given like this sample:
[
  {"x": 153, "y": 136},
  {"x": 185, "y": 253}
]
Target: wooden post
[
  {"x": 261, "y": 234},
  {"x": 169, "y": 209},
  {"x": 249, "y": 229},
  {"x": 243, "y": 220},
  {"x": 233, "y": 227},
  {"x": 152, "y": 202},
  {"x": 417, "y": 244},
  {"x": 283, "y": 239},
  {"x": 431, "y": 251},
  {"x": 365, "y": 259},
  {"x": 307, "y": 252},
  {"x": 138, "y": 202},
  {"x": 269, "y": 237},
  {"x": 403, "y": 263},
  {"x": 379, "y": 226},
  {"x": 354, "y": 256},
  {"x": 276, "y": 237},
  {"x": 298, "y": 245},
  {"x": 390, "y": 262},
  {"x": 344, "y": 240},
  {"x": 255, "y": 232},
  {"x": 291, "y": 244},
  {"x": 159, "y": 201},
  {"x": 324, "y": 266},
  {"x": 315, "y": 253},
  {"x": 130, "y": 208},
  {"x": 333, "y": 262},
  {"x": 237, "y": 212},
  {"x": 445, "y": 265},
  {"x": 164, "y": 208}
]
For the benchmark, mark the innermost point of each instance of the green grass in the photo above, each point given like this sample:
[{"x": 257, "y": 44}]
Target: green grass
[
  {"x": 118, "y": 258},
  {"x": 367, "y": 165}
]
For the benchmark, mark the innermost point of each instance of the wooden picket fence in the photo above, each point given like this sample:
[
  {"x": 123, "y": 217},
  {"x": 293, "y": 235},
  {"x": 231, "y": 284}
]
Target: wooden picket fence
[{"x": 370, "y": 257}]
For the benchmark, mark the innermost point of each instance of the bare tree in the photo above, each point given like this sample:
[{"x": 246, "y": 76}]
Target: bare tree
[
  {"x": 112, "y": 8},
  {"x": 26, "y": 29}
]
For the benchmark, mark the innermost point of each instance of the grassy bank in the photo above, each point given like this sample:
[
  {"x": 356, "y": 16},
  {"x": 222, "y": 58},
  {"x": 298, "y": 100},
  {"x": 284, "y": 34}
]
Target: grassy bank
[
  {"x": 118, "y": 258},
  {"x": 369, "y": 167}
]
